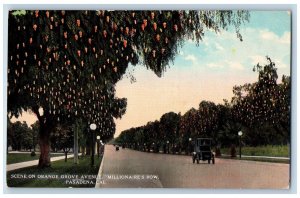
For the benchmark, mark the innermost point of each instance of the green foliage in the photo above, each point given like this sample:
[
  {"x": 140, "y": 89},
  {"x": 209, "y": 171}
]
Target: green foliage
[
  {"x": 18, "y": 12},
  {"x": 169, "y": 124},
  {"x": 79, "y": 127},
  {"x": 268, "y": 150},
  {"x": 35, "y": 133},
  {"x": 208, "y": 119},
  {"x": 188, "y": 126},
  {"x": 24, "y": 157},
  {"x": 10, "y": 133},
  {"x": 228, "y": 134},
  {"x": 264, "y": 106},
  {"x": 19, "y": 157},
  {"x": 20, "y": 136},
  {"x": 62, "y": 138}
]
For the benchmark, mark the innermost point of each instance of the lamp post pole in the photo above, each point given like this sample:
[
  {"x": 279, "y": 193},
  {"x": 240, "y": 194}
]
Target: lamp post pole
[
  {"x": 168, "y": 146},
  {"x": 101, "y": 147},
  {"x": 240, "y": 133},
  {"x": 98, "y": 146},
  {"x": 153, "y": 145},
  {"x": 93, "y": 127},
  {"x": 190, "y": 146}
]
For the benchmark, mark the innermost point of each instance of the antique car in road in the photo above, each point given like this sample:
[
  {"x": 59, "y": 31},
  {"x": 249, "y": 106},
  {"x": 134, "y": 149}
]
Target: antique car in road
[{"x": 202, "y": 150}]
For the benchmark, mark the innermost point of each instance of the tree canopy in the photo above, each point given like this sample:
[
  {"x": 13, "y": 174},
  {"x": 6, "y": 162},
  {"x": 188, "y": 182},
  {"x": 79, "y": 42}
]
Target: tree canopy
[{"x": 20, "y": 136}]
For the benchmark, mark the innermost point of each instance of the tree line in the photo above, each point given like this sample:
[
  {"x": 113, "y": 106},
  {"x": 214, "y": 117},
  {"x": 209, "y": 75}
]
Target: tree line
[
  {"x": 260, "y": 109},
  {"x": 21, "y": 137}
]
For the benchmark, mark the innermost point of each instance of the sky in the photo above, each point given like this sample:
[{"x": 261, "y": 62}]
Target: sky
[{"x": 205, "y": 72}]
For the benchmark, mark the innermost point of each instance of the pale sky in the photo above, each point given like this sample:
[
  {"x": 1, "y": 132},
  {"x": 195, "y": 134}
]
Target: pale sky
[{"x": 207, "y": 72}]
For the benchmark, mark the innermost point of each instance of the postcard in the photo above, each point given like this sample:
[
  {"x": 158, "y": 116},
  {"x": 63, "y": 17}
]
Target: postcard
[{"x": 149, "y": 99}]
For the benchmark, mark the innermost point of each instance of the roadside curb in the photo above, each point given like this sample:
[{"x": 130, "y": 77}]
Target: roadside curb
[
  {"x": 223, "y": 155},
  {"x": 260, "y": 157},
  {"x": 99, "y": 175}
]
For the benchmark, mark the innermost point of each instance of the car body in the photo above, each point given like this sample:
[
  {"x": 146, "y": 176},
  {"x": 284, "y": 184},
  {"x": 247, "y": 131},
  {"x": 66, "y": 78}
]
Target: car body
[{"x": 202, "y": 150}]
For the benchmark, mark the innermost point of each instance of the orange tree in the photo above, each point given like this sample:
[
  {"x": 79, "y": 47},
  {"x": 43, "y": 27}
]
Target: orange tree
[
  {"x": 264, "y": 106},
  {"x": 208, "y": 119},
  {"x": 68, "y": 62},
  {"x": 188, "y": 128}
]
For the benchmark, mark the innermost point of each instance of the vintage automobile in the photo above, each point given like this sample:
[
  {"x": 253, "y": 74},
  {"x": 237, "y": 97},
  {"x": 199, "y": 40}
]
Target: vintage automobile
[{"x": 202, "y": 150}]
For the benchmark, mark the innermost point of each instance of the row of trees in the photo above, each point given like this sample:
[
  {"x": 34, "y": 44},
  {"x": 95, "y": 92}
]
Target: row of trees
[
  {"x": 22, "y": 137},
  {"x": 68, "y": 62},
  {"x": 260, "y": 109}
]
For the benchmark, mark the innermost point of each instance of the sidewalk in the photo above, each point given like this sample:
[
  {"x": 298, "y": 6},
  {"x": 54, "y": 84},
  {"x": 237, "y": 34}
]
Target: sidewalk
[
  {"x": 15, "y": 166},
  {"x": 37, "y": 152}
]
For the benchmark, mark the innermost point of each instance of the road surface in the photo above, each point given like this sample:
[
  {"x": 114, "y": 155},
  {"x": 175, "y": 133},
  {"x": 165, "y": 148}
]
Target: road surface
[{"x": 134, "y": 169}]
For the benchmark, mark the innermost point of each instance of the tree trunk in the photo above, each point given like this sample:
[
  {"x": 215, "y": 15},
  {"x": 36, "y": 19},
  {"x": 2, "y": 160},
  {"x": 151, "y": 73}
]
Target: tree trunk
[
  {"x": 98, "y": 149},
  {"x": 76, "y": 145},
  {"x": 44, "y": 142},
  {"x": 66, "y": 156},
  {"x": 82, "y": 151},
  {"x": 88, "y": 150}
]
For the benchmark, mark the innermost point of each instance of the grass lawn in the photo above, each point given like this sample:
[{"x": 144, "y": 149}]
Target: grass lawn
[
  {"x": 272, "y": 151},
  {"x": 23, "y": 157},
  {"x": 80, "y": 175}
]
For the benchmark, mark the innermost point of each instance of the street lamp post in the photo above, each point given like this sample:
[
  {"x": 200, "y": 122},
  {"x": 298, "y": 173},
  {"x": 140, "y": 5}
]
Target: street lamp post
[
  {"x": 190, "y": 146},
  {"x": 240, "y": 133},
  {"x": 93, "y": 127},
  {"x": 168, "y": 146},
  {"x": 153, "y": 146},
  {"x": 101, "y": 147},
  {"x": 98, "y": 146}
]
